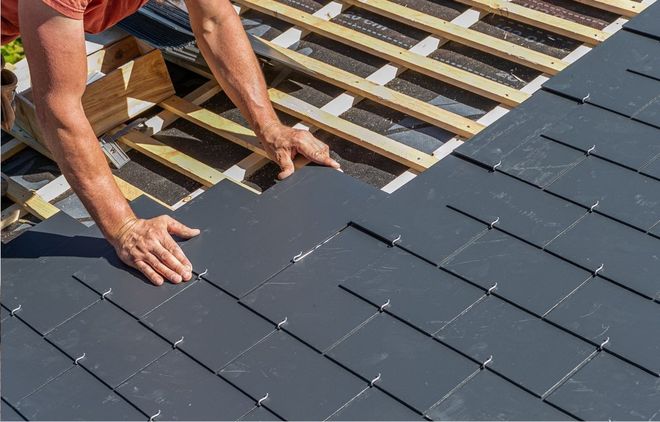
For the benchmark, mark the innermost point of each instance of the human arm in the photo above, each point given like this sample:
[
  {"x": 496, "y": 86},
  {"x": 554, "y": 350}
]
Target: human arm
[
  {"x": 226, "y": 48},
  {"x": 55, "y": 48}
]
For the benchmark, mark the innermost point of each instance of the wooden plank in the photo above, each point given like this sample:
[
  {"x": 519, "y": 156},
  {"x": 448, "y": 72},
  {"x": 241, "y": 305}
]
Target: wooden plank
[
  {"x": 214, "y": 122},
  {"x": 48, "y": 192},
  {"x": 466, "y": 36},
  {"x": 422, "y": 110},
  {"x": 366, "y": 138},
  {"x": 538, "y": 19},
  {"x": 29, "y": 199},
  {"x": 626, "y": 8},
  {"x": 433, "y": 68},
  {"x": 113, "y": 56},
  {"x": 11, "y": 148}
]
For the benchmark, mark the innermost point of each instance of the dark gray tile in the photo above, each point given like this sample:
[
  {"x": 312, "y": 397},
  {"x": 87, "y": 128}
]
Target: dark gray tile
[
  {"x": 413, "y": 367},
  {"x": 591, "y": 127},
  {"x": 621, "y": 193},
  {"x": 47, "y": 293},
  {"x": 539, "y": 161},
  {"x": 652, "y": 169},
  {"x": 646, "y": 22},
  {"x": 374, "y": 405},
  {"x": 76, "y": 395},
  {"x": 525, "y": 349},
  {"x": 300, "y": 383},
  {"x": 307, "y": 293},
  {"x": 628, "y": 256},
  {"x": 28, "y": 361},
  {"x": 4, "y": 313},
  {"x": 145, "y": 207},
  {"x": 259, "y": 414},
  {"x": 418, "y": 292},
  {"x": 529, "y": 277},
  {"x": 523, "y": 124},
  {"x": 601, "y": 309},
  {"x": 115, "y": 345},
  {"x": 613, "y": 87},
  {"x": 215, "y": 328},
  {"x": 9, "y": 414},
  {"x": 608, "y": 388},
  {"x": 298, "y": 214},
  {"x": 489, "y": 397},
  {"x": 130, "y": 289},
  {"x": 224, "y": 198},
  {"x": 650, "y": 112},
  {"x": 181, "y": 389}
]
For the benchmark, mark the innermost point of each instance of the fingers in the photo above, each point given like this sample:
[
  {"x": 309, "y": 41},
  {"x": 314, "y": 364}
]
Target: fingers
[
  {"x": 181, "y": 230},
  {"x": 149, "y": 273},
  {"x": 316, "y": 151},
  {"x": 182, "y": 265},
  {"x": 285, "y": 162}
]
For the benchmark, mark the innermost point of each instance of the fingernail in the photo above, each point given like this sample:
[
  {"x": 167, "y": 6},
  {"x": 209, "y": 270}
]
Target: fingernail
[
  {"x": 340, "y": 170},
  {"x": 176, "y": 279},
  {"x": 187, "y": 275}
]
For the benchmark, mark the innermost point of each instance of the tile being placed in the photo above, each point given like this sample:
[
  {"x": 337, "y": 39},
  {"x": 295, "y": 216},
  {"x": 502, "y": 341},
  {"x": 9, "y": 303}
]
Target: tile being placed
[
  {"x": 417, "y": 291},
  {"x": 374, "y": 405},
  {"x": 28, "y": 361},
  {"x": 620, "y": 193},
  {"x": 181, "y": 389},
  {"x": 130, "y": 289},
  {"x": 307, "y": 293},
  {"x": 413, "y": 367},
  {"x": 115, "y": 346},
  {"x": 305, "y": 210},
  {"x": 524, "y": 348},
  {"x": 592, "y": 127},
  {"x": 601, "y": 309},
  {"x": 489, "y": 397},
  {"x": 77, "y": 395},
  {"x": 628, "y": 256},
  {"x": 608, "y": 388},
  {"x": 214, "y": 327},
  {"x": 525, "y": 275},
  {"x": 300, "y": 383},
  {"x": 46, "y": 292}
]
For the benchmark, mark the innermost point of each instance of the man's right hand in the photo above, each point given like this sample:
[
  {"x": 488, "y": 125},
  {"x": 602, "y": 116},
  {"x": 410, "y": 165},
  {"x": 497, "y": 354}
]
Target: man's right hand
[{"x": 147, "y": 245}]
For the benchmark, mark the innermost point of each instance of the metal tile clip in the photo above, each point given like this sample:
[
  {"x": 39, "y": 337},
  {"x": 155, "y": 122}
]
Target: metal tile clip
[
  {"x": 591, "y": 208},
  {"x": 374, "y": 381},
  {"x": 496, "y": 165},
  {"x": 592, "y": 149},
  {"x": 599, "y": 269},
  {"x": 16, "y": 309},
  {"x": 202, "y": 274},
  {"x": 106, "y": 293},
  {"x": 261, "y": 400},
  {"x": 603, "y": 344},
  {"x": 492, "y": 224},
  {"x": 179, "y": 341},
  {"x": 281, "y": 323},
  {"x": 384, "y": 305},
  {"x": 395, "y": 241},
  {"x": 487, "y": 362},
  {"x": 153, "y": 417},
  {"x": 491, "y": 289},
  {"x": 79, "y": 358},
  {"x": 586, "y": 97}
]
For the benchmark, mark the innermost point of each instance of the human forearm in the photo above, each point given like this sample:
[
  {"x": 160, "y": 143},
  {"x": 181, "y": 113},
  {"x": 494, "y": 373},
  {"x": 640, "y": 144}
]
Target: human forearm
[
  {"x": 75, "y": 148},
  {"x": 225, "y": 46}
]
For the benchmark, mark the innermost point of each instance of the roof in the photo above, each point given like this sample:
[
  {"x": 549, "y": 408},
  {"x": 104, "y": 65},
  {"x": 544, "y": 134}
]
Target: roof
[{"x": 518, "y": 278}]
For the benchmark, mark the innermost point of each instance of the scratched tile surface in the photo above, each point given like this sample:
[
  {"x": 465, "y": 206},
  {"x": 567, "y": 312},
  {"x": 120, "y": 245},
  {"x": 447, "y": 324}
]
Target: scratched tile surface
[{"x": 517, "y": 279}]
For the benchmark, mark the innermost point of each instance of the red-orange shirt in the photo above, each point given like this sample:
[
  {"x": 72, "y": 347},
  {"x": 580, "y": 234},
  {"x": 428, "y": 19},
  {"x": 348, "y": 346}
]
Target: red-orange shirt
[{"x": 97, "y": 15}]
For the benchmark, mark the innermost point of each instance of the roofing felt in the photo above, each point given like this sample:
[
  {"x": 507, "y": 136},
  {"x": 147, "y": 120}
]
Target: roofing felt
[{"x": 518, "y": 278}]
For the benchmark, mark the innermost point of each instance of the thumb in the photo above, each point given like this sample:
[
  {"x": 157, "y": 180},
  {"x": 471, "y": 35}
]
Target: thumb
[
  {"x": 180, "y": 230},
  {"x": 286, "y": 164}
]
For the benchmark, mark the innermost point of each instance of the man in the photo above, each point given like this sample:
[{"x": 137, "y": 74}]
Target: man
[{"x": 53, "y": 37}]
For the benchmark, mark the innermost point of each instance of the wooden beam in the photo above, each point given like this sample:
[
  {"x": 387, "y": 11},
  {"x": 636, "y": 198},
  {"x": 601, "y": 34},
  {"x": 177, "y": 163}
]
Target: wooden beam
[
  {"x": 538, "y": 19},
  {"x": 627, "y": 8},
  {"x": 29, "y": 199},
  {"x": 11, "y": 148},
  {"x": 406, "y": 104},
  {"x": 465, "y": 36},
  {"x": 359, "y": 135},
  {"x": 433, "y": 68}
]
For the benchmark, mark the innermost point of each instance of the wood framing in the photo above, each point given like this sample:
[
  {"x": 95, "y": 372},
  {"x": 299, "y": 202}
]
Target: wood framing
[
  {"x": 628, "y": 8},
  {"x": 433, "y": 68},
  {"x": 466, "y": 36},
  {"x": 29, "y": 199}
]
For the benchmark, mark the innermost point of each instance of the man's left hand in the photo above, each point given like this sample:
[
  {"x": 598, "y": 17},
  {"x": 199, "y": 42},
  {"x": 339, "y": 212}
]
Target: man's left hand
[{"x": 283, "y": 143}]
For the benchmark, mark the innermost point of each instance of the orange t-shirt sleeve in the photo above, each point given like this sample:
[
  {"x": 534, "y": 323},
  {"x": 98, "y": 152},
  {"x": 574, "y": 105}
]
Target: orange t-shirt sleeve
[{"x": 74, "y": 9}]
